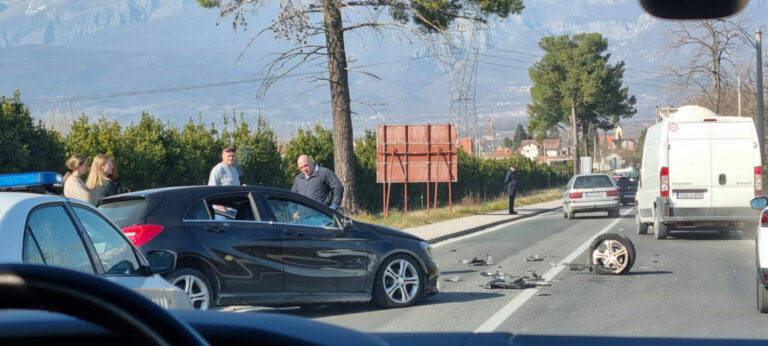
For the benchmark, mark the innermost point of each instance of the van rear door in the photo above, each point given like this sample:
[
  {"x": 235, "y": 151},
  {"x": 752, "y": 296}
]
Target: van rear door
[
  {"x": 733, "y": 165},
  {"x": 690, "y": 164}
]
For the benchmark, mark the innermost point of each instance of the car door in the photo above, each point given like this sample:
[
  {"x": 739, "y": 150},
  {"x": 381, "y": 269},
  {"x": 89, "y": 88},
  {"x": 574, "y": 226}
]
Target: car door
[
  {"x": 244, "y": 248},
  {"x": 318, "y": 255},
  {"x": 51, "y": 237}
]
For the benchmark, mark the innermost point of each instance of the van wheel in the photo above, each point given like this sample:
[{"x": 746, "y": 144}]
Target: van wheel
[
  {"x": 611, "y": 254},
  {"x": 762, "y": 297},
  {"x": 659, "y": 229},
  {"x": 641, "y": 227}
]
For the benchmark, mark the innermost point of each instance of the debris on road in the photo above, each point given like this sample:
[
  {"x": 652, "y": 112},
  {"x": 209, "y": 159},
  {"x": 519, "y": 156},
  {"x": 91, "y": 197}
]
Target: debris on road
[
  {"x": 534, "y": 258},
  {"x": 479, "y": 262},
  {"x": 497, "y": 273},
  {"x": 516, "y": 284},
  {"x": 576, "y": 267},
  {"x": 453, "y": 278}
]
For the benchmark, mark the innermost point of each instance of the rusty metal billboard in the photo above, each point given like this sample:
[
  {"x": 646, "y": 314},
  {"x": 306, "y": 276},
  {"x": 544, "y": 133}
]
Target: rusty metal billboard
[{"x": 416, "y": 153}]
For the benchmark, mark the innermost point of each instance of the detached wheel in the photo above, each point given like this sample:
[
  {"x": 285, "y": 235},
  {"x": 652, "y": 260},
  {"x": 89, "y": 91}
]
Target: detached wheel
[
  {"x": 195, "y": 285},
  {"x": 399, "y": 282},
  {"x": 611, "y": 254},
  {"x": 659, "y": 229},
  {"x": 641, "y": 227}
]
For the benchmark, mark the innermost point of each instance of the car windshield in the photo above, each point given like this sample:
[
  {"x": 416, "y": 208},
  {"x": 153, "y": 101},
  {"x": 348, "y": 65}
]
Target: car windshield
[
  {"x": 576, "y": 168},
  {"x": 592, "y": 181}
]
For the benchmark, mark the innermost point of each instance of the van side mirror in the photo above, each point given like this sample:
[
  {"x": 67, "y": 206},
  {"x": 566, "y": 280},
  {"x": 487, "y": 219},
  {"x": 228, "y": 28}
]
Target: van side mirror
[
  {"x": 759, "y": 203},
  {"x": 161, "y": 261}
]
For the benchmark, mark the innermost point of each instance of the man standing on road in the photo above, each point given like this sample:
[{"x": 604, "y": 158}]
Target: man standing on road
[
  {"x": 318, "y": 183},
  {"x": 510, "y": 181},
  {"x": 224, "y": 173}
]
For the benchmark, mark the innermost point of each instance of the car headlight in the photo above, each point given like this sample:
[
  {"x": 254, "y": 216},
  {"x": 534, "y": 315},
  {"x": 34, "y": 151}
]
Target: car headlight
[{"x": 426, "y": 247}]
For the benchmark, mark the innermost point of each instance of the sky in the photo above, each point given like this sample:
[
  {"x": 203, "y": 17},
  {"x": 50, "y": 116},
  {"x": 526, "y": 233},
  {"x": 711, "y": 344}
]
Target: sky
[{"x": 177, "y": 61}]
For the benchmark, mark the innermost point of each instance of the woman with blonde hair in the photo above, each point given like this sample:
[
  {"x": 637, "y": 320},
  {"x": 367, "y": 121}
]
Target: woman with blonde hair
[
  {"x": 99, "y": 181},
  {"x": 73, "y": 185}
]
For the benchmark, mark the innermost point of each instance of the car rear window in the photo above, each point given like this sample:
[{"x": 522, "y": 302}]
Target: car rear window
[
  {"x": 592, "y": 181},
  {"x": 125, "y": 210}
]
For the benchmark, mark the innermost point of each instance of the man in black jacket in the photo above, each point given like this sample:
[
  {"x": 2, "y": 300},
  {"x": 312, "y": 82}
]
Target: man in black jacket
[
  {"x": 510, "y": 181},
  {"x": 318, "y": 183}
]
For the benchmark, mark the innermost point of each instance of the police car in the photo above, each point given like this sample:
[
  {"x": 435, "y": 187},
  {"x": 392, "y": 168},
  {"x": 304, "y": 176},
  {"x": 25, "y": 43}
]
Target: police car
[{"x": 39, "y": 226}]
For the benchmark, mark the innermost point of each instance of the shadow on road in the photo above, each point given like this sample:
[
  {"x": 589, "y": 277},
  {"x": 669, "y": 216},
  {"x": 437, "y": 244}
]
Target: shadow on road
[
  {"x": 649, "y": 272},
  {"x": 448, "y": 272},
  {"x": 324, "y": 310},
  {"x": 705, "y": 235}
]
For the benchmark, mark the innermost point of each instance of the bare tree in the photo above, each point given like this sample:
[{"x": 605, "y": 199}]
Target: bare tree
[
  {"x": 712, "y": 45},
  {"x": 306, "y": 22}
]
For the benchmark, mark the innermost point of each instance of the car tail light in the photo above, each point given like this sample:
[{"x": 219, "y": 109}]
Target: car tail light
[
  {"x": 575, "y": 195},
  {"x": 141, "y": 234},
  {"x": 611, "y": 193},
  {"x": 764, "y": 219},
  {"x": 664, "y": 181},
  {"x": 758, "y": 181}
]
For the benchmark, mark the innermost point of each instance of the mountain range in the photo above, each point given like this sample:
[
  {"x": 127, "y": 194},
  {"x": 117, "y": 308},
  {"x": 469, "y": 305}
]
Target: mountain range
[{"x": 175, "y": 60}]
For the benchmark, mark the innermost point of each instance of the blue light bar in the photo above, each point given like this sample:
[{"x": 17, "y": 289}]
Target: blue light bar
[{"x": 30, "y": 179}]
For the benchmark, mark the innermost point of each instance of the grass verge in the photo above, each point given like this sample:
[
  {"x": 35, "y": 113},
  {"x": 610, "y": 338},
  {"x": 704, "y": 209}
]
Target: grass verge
[{"x": 397, "y": 219}]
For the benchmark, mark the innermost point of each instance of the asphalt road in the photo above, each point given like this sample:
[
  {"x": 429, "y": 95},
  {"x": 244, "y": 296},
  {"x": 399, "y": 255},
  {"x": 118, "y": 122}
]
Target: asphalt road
[{"x": 692, "y": 285}]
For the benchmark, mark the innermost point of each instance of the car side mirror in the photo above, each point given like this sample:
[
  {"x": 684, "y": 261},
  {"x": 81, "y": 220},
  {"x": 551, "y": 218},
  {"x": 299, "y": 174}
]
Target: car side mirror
[
  {"x": 759, "y": 203},
  {"x": 161, "y": 261},
  {"x": 345, "y": 222}
]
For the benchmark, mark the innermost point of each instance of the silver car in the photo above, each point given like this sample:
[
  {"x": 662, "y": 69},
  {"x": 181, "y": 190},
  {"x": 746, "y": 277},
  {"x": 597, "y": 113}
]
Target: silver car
[
  {"x": 590, "y": 193},
  {"x": 53, "y": 230}
]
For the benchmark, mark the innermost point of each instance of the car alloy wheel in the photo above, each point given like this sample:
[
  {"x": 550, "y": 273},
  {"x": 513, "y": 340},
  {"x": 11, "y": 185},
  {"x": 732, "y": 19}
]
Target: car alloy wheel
[
  {"x": 195, "y": 285},
  {"x": 612, "y": 254},
  {"x": 398, "y": 283}
]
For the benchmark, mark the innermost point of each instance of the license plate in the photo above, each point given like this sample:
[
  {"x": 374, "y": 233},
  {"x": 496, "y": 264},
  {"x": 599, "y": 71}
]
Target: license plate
[
  {"x": 631, "y": 195},
  {"x": 595, "y": 194},
  {"x": 690, "y": 195}
]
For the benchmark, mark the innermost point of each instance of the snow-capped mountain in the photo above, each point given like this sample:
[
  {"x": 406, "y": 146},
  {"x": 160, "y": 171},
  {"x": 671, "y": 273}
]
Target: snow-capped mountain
[{"x": 175, "y": 60}]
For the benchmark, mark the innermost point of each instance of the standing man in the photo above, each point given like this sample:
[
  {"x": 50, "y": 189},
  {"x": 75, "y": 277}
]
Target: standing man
[
  {"x": 511, "y": 183},
  {"x": 318, "y": 183},
  {"x": 224, "y": 173}
]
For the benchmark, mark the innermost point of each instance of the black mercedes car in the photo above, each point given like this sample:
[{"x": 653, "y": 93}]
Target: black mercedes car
[
  {"x": 627, "y": 189},
  {"x": 269, "y": 246}
]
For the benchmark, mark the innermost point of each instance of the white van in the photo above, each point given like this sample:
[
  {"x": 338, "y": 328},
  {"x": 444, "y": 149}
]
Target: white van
[{"x": 698, "y": 170}]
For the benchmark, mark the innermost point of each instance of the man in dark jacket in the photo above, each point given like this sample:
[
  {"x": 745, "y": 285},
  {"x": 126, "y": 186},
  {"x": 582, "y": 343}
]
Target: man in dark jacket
[
  {"x": 318, "y": 183},
  {"x": 510, "y": 181}
]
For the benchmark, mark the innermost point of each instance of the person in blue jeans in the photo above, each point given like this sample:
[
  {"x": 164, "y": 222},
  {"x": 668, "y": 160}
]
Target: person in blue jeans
[{"x": 510, "y": 181}]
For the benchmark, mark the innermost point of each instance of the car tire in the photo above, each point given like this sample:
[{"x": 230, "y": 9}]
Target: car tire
[
  {"x": 399, "y": 282},
  {"x": 762, "y": 297},
  {"x": 641, "y": 227},
  {"x": 659, "y": 229},
  {"x": 611, "y": 254},
  {"x": 196, "y": 285}
]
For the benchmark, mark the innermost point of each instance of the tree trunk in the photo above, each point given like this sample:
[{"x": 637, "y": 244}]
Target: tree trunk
[
  {"x": 574, "y": 141},
  {"x": 343, "y": 154}
]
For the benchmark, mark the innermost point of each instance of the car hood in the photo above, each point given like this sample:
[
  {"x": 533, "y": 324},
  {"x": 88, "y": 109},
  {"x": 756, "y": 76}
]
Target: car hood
[{"x": 391, "y": 231}]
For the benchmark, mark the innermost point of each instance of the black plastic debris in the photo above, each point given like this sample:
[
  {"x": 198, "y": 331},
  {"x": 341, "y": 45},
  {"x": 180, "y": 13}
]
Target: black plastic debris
[
  {"x": 534, "y": 258},
  {"x": 479, "y": 262},
  {"x": 503, "y": 284}
]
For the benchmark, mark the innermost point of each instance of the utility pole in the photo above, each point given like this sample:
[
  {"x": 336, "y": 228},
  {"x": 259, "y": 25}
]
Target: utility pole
[
  {"x": 760, "y": 115},
  {"x": 738, "y": 88}
]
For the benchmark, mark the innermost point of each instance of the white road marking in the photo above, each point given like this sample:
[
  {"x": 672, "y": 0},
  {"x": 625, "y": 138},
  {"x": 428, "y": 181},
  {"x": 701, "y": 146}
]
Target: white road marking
[
  {"x": 492, "y": 229},
  {"x": 505, "y": 312}
]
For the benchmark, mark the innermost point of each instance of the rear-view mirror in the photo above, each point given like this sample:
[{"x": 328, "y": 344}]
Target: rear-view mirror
[
  {"x": 693, "y": 9},
  {"x": 161, "y": 261},
  {"x": 759, "y": 203}
]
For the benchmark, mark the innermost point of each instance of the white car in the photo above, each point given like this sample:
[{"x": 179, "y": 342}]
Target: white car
[
  {"x": 761, "y": 242},
  {"x": 590, "y": 193},
  {"x": 53, "y": 230}
]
